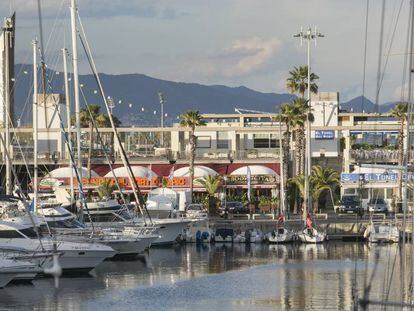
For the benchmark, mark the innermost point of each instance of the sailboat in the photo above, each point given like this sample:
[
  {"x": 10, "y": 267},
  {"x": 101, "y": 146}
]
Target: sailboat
[
  {"x": 382, "y": 232},
  {"x": 310, "y": 234},
  {"x": 281, "y": 234}
]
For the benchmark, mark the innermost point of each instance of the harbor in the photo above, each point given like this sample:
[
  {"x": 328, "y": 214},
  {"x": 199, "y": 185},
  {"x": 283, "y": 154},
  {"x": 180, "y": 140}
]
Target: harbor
[{"x": 192, "y": 191}]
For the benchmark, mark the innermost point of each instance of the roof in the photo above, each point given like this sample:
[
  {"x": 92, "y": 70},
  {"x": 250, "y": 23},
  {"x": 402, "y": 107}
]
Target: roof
[{"x": 138, "y": 171}]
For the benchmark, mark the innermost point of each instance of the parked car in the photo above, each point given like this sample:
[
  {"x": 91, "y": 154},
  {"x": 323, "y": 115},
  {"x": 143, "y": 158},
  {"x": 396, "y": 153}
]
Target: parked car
[
  {"x": 350, "y": 204},
  {"x": 196, "y": 211},
  {"x": 233, "y": 208},
  {"x": 377, "y": 205}
]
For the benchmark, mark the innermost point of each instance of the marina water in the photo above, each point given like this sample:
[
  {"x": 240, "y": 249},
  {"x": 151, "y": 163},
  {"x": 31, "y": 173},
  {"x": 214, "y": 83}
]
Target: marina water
[{"x": 226, "y": 277}]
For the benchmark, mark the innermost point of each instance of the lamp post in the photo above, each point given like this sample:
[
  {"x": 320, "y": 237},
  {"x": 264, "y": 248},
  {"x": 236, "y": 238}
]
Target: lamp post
[
  {"x": 309, "y": 35},
  {"x": 162, "y": 101}
]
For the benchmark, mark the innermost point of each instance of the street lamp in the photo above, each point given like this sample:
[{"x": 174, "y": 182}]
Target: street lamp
[
  {"x": 309, "y": 35},
  {"x": 111, "y": 103},
  {"x": 162, "y": 102}
]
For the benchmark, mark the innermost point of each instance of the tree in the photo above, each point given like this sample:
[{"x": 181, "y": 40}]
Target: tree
[
  {"x": 288, "y": 116},
  {"x": 303, "y": 112},
  {"x": 191, "y": 119},
  {"x": 297, "y": 82},
  {"x": 321, "y": 179},
  {"x": 106, "y": 189},
  {"x": 324, "y": 179},
  {"x": 400, "y": 112},
  {"x": 211, "y": 183},
  {"x": 86, "y": 120}
]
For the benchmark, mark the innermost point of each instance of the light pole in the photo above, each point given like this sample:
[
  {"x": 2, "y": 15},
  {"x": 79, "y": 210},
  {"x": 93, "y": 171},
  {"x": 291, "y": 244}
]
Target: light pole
[
  {"x": 162, "y": 102},
  {"x": 309, "y": 35},
  {"x": 111, "y": 103}
]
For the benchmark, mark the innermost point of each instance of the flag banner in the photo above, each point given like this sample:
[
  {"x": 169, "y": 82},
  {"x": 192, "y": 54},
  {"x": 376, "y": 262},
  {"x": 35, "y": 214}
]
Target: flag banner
[
  {"x": 280, "y": 218},
  {"x": 249, "y": 177},
  {"x": 309, "y": 221}
]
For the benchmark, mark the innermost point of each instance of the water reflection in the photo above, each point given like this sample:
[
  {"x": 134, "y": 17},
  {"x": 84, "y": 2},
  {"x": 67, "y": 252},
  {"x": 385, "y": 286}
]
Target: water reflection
[{"x": 228, "y": 277}]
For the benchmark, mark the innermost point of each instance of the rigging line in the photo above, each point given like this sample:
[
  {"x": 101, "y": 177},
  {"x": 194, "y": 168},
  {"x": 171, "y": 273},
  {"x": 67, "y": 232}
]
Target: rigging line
[
  {"x": 390, "y": 44},
  {"x": 360, "y": 185},
  {"x": 136, "y": 189},
  {"x": 106, "y": 154},
  {"x": 381, "y": 39},
  {"x": 405, "y": 64},
  {"x": 387, "y": 292}
]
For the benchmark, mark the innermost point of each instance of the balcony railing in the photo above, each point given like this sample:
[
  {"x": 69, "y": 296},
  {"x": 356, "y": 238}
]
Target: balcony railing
[
  {"x": 374, "y": 155},
  {"x": 151, "y": 155}
]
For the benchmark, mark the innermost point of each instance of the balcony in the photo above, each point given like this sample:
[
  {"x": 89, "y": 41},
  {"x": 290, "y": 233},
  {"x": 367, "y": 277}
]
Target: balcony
[{"x": 377, "y": 155}]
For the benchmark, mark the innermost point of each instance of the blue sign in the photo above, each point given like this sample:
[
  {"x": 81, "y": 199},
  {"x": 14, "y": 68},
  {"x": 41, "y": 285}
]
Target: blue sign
[
  {"x": 324, "y": 134},
  {"x": 372, "y": 177}
]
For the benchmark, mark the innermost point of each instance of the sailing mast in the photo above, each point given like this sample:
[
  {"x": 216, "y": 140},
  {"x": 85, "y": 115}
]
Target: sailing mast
[
  {"x": 35, "y": 128},
  {"x": 282, "y": 178},
  {"x": 73, "y": 10},
  {"x": 67, "y": 100}
]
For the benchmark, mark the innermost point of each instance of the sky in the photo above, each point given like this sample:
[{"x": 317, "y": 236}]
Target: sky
[{"x": 228, "y": 42}]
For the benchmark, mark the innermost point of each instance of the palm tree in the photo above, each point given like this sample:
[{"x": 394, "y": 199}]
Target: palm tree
[
  {"x": 324, "y": 179},
  {"x": 288, "y": 116},
  {"x": 303, "y": 112},
  {"x": 106, "y": 189},
  {"x": 400, "y": 112},
  {"x": 191, "y": 119},
  {"x": 101, "y": 120},
  {"x": 211, "y": 183},
  {"x": 297, "y": 82},
  {"x": 320, "y": 180}
]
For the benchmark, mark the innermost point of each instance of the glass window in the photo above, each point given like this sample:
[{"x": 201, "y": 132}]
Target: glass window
[
  {"x": 223, "y": 140},
  {"x": 264, "y": 141},
  {"x": 10, "y": 234}
]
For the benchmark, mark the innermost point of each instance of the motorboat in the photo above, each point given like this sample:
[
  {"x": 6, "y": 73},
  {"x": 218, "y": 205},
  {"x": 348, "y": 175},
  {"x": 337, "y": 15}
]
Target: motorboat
[
  {"x": 281, "y": 235},
  {"x": 111, "y": 214},
  {"x": 223, "y": 235},
  {"x": 18, "y": 236},
  {"x": 384, "y": 232},
  {"x": 198, "y": 232},
  {"x": 311, "y": 235},
  {"x": 249, "y": 236},
  {"x": 123, "y": 241},
  {"x": 12, "y": 270}
]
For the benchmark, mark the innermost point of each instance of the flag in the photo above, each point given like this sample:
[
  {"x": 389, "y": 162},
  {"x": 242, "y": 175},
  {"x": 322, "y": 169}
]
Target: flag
[
  {"x": 249, "y": 176},
  {"x": 309, "y": 221},
  {"x": 280, "y": 218}
]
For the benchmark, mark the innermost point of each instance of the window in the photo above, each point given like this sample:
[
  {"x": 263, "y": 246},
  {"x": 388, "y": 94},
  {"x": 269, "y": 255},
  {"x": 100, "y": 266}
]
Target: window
[
  {"x": 10, "y": 234},
  {"x": 223, "y": 140},
  {"x": 264, "y": 141},
  {"x": 203, "y": 142}
]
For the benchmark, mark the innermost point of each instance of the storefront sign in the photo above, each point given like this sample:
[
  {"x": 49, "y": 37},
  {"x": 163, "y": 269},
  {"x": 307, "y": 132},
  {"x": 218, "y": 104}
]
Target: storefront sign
[
  {"x": 373, "y": 177},
  {"x": 254, "y": 180},
  {"x": 324, "y": 134},
  {"x": 123, "y": 182}
]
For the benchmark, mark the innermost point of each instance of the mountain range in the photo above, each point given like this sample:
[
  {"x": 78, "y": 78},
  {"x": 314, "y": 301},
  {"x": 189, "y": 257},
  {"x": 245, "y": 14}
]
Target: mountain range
[{"x": 137, "y": 103}]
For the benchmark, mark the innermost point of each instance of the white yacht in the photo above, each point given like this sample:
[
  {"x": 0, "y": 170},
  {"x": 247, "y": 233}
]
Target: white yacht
[
  {"x": 18, "y": 236},
  {"x": 384, "y": 232},
  {"x": 111, "y": 214},
  {"x": 311, "y": 235},
  {"x": 68, "y": 228},
  {"x": 281, "y": 235},
  {"x": 11, "y": 270},
  {"x": 249, "y": 236}
]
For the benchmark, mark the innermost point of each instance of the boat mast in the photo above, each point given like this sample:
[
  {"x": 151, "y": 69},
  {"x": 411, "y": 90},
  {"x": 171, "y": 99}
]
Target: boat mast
[
  {"x": 73, "y": 10},
  {"x": 67, "y": 101},
  {"x": 282, "y": 178},
  {"x": 35, "y": 128},
  {"x": 8, "y": 43}
]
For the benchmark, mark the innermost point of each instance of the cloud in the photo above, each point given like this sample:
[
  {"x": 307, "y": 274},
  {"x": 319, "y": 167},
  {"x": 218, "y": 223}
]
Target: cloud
[{"x": 240, "y": 58}]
